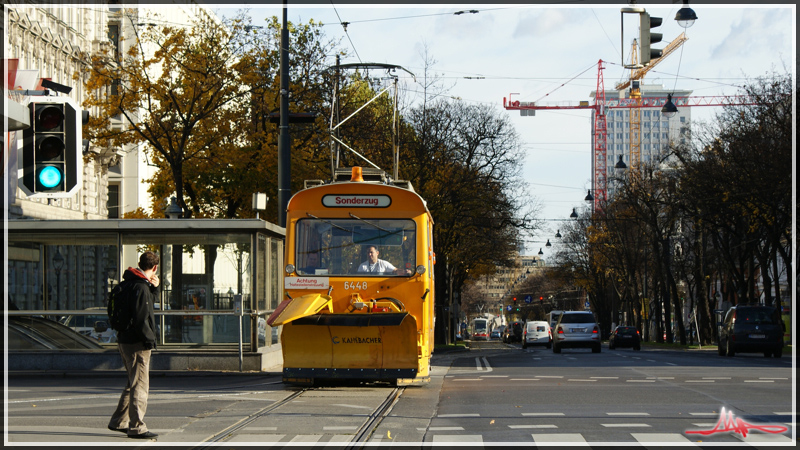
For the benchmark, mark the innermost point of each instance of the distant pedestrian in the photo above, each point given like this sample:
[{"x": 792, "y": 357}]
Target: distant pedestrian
[{"x": 135, "y": 346}]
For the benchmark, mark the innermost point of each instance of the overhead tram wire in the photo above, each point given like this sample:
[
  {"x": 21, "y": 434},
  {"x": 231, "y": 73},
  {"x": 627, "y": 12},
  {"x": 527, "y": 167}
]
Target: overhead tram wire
[
  {"x": 344, "y": 27},
  {"x": 473, "y": 11}
]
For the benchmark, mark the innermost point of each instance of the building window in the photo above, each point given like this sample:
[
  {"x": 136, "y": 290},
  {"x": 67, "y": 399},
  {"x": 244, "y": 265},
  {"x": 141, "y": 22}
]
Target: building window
[{"x": 113, "y": 201}]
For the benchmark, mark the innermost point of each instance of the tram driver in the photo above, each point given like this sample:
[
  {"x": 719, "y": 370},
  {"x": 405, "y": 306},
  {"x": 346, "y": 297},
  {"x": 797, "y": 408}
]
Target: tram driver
[
  {"x": 379, "y": 266},
  {"x": 313, "y": 265}
]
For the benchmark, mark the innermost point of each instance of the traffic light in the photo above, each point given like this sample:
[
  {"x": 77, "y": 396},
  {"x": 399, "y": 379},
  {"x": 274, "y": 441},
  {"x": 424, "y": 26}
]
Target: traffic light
[
  {"x": 646, "y": 38},
  {"x": 52, "y": 164}
]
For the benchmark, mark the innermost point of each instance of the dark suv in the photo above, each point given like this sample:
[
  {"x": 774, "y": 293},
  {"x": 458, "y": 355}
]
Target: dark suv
[
  {"x": 513, "y": 333},
  {"x": 751, "y": 329}
]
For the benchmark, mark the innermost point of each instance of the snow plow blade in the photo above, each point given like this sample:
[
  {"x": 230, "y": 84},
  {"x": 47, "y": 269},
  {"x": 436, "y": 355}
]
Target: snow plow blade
[
  {"x": 380, "y": 346},
  {"x": 296, "y": 308}
]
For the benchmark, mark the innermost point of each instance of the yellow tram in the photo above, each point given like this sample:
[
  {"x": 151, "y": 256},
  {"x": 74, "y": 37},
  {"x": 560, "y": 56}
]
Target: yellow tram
[{"x": 359, "y": 282}]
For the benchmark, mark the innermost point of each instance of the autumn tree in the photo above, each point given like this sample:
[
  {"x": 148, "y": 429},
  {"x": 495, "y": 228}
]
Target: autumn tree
[
  {"x": 736, "y": 189},
  {"x": 177, "y": 90}
]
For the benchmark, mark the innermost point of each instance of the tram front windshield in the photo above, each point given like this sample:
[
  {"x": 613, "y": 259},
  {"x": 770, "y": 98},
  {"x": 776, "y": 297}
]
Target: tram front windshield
[{"x": 363, "y": 247}]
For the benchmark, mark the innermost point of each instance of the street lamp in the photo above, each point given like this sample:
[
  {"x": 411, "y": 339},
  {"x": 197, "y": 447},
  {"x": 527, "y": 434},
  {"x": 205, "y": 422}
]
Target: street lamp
[
  {"x": 58, "y": 264},
  {"x": 589, "y": 198},
  {"x": 558, "y": 234},
  {"x": 574, "y": 214},
  {"x": 174, "y": 210},
  {"x": 620, "y": 164},
  {"x": 112, "y": 275},
  {"x": 669, "y": 109},
  {"x": 686, "y": 16}
]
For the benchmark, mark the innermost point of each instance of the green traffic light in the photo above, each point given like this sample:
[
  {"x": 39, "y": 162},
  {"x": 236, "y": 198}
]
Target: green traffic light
[{"x": 49, "y": 177}]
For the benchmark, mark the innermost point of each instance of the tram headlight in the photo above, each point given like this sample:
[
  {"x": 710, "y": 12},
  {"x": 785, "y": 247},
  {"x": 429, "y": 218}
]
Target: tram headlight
[
  {"x": 420, "y": 269},
  {"x": 289, "y": 268}
]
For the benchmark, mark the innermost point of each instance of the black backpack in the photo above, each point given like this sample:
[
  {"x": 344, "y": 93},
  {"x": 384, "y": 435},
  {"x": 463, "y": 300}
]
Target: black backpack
[{"x": 120, "y": 315}]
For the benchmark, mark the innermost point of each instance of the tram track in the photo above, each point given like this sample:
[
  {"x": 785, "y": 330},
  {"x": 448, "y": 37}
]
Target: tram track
[
  {"x": 375, "y": 418},
  {"x": 360, "y": 436}
]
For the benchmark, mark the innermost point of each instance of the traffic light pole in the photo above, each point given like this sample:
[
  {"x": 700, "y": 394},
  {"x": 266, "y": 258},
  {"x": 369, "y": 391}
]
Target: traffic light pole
[{"x": 284, "y": 153}]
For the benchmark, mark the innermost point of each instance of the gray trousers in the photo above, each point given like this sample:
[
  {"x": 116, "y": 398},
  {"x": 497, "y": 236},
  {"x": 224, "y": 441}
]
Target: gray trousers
[{"x": 133, "y": 401}]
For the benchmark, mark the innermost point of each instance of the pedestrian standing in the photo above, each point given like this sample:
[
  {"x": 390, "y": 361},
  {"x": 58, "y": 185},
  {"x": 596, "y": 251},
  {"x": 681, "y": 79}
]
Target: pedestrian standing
[{"x": 135, "y": 345}]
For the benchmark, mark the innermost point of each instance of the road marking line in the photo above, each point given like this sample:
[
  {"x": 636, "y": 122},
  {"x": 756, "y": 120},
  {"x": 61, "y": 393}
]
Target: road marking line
[
  {"x": 700, "y": 381},
  {"x": 625, "y": 425},
  {"x": 578, "y": 379},
  {"x": 659, "y": 437},
  {"x": 459, "y": 415},
  {"x": 523, "y": 379},
  {"x": 716, "y": 378},
  {"x": 549, "y": 376},
  {"x": 607, "y": 378},
  {"x": 703, "y": 414},
  {"x": 640, "y": 381},
  {"x": 351, "y": 406},
  {"x": 557, "y": 437},
  {"x": 759, "y": 381},
  {"x": 457, "y": 438},
  {"x": 494, "y": 376},
  {"x": 309, "y": 438}
]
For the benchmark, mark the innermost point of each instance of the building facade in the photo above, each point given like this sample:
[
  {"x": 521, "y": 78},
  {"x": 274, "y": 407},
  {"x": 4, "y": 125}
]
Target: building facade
[
  {"x": 54, "y": 42},
  {"x": 657, "y": 132}
]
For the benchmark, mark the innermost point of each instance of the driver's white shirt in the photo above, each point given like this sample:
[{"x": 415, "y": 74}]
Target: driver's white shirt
[{"x": 379, "y": 267}]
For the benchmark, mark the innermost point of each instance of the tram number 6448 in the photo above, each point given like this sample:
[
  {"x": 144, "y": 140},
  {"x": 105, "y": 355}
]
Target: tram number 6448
[{"x": 355, "y": 285}]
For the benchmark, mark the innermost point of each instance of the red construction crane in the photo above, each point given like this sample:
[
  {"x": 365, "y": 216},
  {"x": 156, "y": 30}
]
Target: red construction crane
[{"x": 601, "y": 106}]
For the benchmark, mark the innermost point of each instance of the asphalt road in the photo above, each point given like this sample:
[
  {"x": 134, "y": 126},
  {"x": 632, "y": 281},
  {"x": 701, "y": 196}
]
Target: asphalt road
[{"x": 495, "y": 394}]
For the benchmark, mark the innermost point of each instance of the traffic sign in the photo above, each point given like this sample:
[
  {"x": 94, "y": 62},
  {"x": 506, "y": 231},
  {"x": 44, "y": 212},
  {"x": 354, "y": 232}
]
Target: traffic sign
[{"x": 528, "y": 299}]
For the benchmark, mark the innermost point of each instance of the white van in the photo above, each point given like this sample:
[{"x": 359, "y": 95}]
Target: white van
[{"x": 537, "y": 332}]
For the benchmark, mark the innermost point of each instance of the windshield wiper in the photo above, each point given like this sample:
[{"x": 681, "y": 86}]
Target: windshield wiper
[
  {"x": 371, "y": 224},
  {"x": 332, "y": 224}
]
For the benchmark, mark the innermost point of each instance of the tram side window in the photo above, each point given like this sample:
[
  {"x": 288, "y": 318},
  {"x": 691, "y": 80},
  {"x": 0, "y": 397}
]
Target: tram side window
[{"x": 336, "y": 247}]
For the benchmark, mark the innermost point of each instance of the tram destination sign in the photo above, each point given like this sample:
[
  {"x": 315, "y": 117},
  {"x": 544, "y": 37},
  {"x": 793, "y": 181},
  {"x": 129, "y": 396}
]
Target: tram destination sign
[{"x": 356, "y": 200}]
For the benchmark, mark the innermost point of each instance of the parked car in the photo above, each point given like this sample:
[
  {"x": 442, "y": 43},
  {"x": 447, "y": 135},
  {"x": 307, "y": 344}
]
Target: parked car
[
  {"x": 513, "y": 332},
  {"x": 576, "y": 329},
  {"x": 95, "y": 325},
  {"x": 38, "y": 333},
  {"x": 751, "y": 329},
  {"x": 625, "y": 336},
  {"x": 537, "y": 333}
]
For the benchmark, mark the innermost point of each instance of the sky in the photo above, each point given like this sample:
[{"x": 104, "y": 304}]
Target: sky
[{"x": 550, "y": 54}]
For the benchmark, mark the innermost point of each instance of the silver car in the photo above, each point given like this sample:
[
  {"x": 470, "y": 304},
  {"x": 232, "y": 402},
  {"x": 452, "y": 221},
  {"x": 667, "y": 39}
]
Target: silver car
[{"x": 576, "y": 329}]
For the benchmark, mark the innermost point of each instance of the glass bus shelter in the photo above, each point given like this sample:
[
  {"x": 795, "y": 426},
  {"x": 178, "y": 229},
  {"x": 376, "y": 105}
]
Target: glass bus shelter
[{"x": 211, "y": 271}]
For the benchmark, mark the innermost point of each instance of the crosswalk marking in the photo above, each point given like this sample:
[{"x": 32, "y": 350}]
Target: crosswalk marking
[
  {"x": 557, "y": 437},
  {"x": 659, "y": 437},
  {"x": 458, "y": 438}
]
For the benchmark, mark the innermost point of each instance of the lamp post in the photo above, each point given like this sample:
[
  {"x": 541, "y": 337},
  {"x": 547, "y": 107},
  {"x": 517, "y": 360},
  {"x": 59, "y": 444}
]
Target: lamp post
[{"x": 58, "y": 264}]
